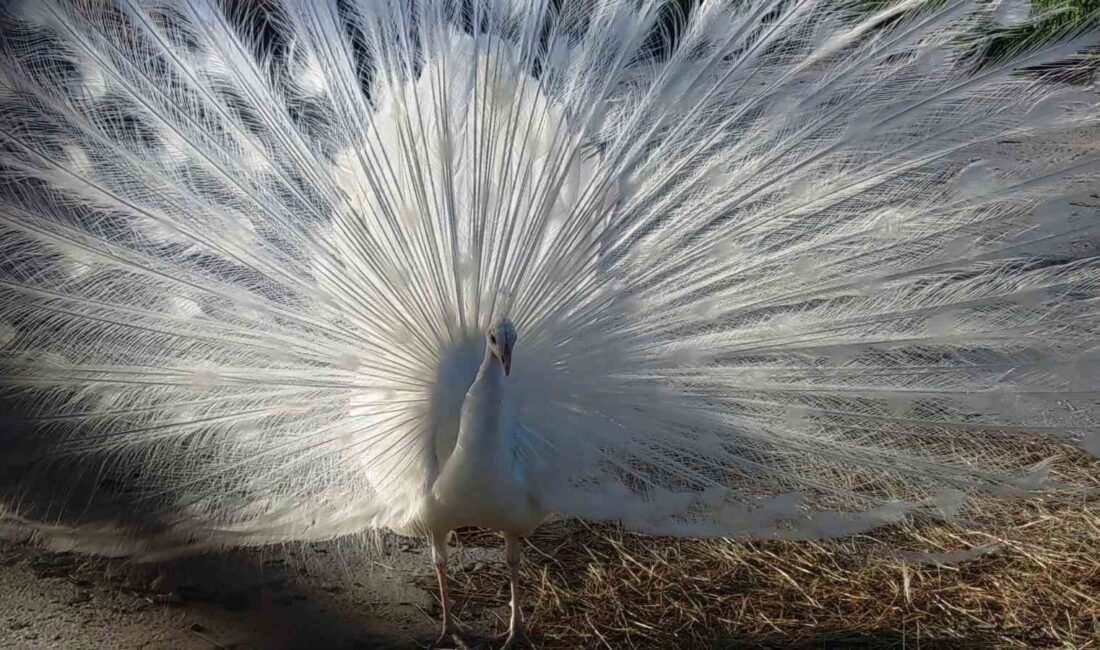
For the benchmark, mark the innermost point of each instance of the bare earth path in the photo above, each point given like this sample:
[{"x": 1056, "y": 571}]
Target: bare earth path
[{"x": 239, "y": 600}]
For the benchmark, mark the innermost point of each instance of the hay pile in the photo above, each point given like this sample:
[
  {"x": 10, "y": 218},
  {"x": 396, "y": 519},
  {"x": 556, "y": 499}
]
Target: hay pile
[{"x": 1032, "y": 582}]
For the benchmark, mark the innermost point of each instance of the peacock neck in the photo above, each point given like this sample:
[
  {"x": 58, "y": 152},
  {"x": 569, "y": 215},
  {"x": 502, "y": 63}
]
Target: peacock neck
[
  {"x": 482, "y": 430},
  {"x": 490, "y": 371}
]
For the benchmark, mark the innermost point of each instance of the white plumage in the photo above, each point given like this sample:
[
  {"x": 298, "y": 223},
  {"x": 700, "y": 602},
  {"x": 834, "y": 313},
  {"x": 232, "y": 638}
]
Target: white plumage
[{"x": 799, "y": 271}]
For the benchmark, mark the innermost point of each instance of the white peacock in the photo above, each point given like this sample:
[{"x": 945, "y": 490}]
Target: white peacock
[{"x": 776, "y": 272}]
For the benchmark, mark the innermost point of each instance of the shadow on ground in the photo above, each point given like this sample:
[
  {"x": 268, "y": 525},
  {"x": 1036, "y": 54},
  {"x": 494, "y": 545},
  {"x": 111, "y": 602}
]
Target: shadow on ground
[{"x": 236, "y": 600}]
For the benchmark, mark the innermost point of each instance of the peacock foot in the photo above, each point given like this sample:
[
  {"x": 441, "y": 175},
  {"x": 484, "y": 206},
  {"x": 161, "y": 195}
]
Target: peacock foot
[
  {"x": 450, "y": 637},
  {"x": 515, "y": 638}
]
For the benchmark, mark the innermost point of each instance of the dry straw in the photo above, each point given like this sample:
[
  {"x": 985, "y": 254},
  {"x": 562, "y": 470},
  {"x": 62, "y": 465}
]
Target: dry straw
[{"x": 1032, "y": 581}]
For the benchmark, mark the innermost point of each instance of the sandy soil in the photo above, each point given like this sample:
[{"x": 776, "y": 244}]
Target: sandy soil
[{"x": 311, "y": 597}]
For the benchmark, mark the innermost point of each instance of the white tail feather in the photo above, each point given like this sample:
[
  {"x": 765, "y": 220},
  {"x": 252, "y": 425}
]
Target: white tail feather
[{"x": 800, "y": 273}]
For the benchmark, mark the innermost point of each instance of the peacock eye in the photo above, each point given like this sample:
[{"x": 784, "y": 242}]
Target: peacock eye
[{"x": 493, "y": 339}]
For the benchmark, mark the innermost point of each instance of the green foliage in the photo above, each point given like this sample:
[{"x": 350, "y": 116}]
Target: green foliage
[
  {"x": 1067, "y": 12},
  {"x": 1048, "y": 21}
]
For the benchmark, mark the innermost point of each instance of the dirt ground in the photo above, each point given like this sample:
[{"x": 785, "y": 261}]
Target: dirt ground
[{"x": 310, "y": 597}]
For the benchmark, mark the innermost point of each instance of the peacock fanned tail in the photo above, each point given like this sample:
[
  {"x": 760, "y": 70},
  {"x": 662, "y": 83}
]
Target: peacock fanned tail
[{"x": 779, "y": 267}]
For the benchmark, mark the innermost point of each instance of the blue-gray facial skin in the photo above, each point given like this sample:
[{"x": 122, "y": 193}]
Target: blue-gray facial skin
[{"x": 501, "y": 339}]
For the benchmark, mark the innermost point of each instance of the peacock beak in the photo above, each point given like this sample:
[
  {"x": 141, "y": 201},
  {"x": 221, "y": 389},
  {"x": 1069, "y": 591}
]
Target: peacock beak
[{"x": 506, "y": 361}]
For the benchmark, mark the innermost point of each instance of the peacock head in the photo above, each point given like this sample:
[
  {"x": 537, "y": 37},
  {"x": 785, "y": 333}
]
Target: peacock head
[{"x": 500, "y": 338}]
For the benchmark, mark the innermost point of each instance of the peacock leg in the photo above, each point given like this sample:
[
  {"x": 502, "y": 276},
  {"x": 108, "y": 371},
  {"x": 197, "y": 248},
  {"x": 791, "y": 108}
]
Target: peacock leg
[
  {"x": 516, "y": 634},
  {"x": 439, "y": 557}
]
